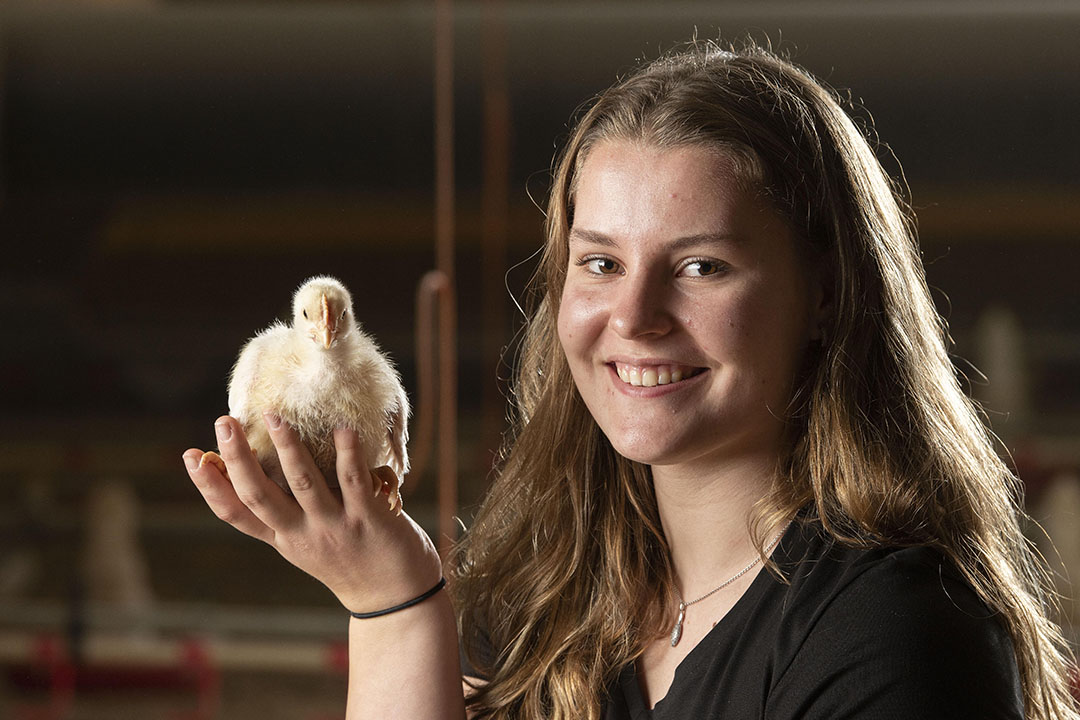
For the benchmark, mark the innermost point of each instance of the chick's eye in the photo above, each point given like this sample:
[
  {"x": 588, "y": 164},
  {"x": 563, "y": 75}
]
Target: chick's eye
[
  {"x": 305, "y": 314},
  {"x": 343, "y": 313},
  {"x": 701, "y": 267},
  {"x": 600, "y": 265}
]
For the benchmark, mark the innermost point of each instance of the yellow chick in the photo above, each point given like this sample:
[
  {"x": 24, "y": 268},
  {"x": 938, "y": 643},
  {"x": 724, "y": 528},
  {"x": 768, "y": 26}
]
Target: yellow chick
[{"x": 320, "y": 372}]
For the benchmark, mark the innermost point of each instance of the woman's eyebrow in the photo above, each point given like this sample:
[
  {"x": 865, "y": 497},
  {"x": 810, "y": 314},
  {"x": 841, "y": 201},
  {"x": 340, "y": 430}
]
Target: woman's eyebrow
[
  {"x": 591, "y": 237},
  {"x": 594, "y": 237}
]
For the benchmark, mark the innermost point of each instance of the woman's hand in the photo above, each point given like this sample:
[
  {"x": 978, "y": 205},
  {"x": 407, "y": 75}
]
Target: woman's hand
[{"x": 369, "y": 556}]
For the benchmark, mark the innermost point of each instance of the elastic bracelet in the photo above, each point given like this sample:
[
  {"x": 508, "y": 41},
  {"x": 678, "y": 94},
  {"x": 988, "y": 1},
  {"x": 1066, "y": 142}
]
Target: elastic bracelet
[{"x": 407, "y": 604}]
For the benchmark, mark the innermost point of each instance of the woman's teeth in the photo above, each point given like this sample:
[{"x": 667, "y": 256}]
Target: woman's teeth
[{"x": 653, "y": 375}]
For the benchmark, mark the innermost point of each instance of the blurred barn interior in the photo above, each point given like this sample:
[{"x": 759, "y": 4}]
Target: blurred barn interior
[{"x": 171, "y": 171}]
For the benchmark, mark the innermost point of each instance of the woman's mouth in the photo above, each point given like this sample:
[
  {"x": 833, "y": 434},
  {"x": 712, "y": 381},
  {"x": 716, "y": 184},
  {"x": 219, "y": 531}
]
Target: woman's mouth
[{"x": 653, "y": 375}]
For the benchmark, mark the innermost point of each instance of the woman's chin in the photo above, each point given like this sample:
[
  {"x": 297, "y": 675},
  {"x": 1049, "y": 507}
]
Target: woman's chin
[{"x": 644, "y": 451}]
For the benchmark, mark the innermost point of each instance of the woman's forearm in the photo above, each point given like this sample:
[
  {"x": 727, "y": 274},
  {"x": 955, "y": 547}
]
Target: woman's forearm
[{"x": 405, "y": 665}]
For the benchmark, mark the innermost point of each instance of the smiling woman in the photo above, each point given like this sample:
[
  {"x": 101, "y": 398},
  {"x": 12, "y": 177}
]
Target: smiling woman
[{"x": 735, "y": 364}]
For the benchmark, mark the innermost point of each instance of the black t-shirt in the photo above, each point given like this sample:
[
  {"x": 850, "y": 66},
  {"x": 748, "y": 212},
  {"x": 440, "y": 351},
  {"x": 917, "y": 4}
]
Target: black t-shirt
[{"x": 857, "y": 635}]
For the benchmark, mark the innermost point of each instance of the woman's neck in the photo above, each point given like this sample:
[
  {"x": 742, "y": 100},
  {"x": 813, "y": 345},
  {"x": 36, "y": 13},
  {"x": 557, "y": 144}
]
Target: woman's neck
[{"x": 705, "y": 513}]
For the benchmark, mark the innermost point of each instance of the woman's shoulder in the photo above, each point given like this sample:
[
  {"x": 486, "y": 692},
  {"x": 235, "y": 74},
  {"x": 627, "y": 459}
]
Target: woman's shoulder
[
  {"x": 828, "y": 576},
  {"x": 818, "y": 565},
  {"x": 898, "y": 626}
]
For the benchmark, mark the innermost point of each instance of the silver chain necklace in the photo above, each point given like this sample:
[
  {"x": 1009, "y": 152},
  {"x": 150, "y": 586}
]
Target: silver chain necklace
[{"x": 676, "y": 632}]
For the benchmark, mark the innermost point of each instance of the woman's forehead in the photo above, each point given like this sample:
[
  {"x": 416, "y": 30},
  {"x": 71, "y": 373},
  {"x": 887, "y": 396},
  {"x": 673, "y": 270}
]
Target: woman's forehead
[
  {"x": 730, "y": 159},
  {"x": 629, "y": 187}
]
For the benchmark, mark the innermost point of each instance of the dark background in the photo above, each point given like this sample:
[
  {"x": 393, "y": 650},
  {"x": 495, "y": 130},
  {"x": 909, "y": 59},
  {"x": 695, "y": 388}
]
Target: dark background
[{"x": 171, "y": 171}]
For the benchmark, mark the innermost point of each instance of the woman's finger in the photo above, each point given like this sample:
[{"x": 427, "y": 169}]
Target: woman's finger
[
  {"x": 268, "y": 502},
  {"x": 361, "y": 490},
  {"x": 219, "y": 494},
  {"x": 305, "y": 480}
]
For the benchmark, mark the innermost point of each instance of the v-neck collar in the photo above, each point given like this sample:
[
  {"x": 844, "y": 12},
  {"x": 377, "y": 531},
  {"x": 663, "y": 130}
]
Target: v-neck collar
[{"x": 628, "y": 682}]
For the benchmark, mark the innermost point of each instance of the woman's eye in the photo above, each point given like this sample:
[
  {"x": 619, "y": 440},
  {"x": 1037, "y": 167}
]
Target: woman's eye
[
  {"x": 702, "y": 268},
  {"x": 600, "y": 265}
]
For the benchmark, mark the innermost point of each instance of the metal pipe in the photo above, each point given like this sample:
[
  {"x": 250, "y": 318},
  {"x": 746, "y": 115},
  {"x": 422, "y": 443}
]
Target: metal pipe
[
  {"x": 444, "y": 248},
  {"x": 435, "y": 314},
  {"x": 495, "y": 204}
]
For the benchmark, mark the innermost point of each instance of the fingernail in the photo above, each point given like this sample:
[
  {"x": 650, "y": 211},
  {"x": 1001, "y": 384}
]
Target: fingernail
[
  {"x": 272, "y": 419},
  {"x": 223, "y": 430},
  {"x": 191, "y": 461}
]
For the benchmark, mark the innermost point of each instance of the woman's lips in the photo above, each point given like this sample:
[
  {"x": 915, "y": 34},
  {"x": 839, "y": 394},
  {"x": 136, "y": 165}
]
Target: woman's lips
[{"x": 653, "y": 375}]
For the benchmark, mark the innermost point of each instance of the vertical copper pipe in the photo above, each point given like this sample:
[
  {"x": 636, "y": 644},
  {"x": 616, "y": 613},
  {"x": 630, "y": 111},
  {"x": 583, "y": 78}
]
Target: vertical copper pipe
[
  {"x": 495, "y": 223},
  {"x": 444, "y": 256},
  {"x": 429, "y": 293},
  {"x": 444, "y": 138}
]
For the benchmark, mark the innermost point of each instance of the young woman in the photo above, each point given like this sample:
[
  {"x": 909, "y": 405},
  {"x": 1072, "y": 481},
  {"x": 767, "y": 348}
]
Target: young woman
[{"x": 744, "y": 480}]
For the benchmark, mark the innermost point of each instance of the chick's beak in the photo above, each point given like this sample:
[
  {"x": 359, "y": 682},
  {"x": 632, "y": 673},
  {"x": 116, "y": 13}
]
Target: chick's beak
[{"x": 327, "y": 327}]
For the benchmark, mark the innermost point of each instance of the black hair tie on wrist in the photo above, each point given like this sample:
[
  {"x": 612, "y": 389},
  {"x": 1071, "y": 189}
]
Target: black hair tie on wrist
[{"x": 407, "y": 604}]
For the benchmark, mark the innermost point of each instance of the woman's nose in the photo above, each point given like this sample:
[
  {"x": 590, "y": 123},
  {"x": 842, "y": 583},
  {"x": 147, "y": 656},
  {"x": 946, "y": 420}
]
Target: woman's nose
[{"x": 640, "y": 308}]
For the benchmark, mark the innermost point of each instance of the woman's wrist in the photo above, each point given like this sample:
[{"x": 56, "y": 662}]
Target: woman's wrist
[
  {"x": 401, "y": 606},
  {"x": 409, "y": 566}
]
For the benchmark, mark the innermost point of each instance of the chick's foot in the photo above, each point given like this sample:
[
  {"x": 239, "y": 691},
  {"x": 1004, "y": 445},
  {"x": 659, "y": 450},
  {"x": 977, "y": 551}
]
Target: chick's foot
[{"x": 386, "y": 482}]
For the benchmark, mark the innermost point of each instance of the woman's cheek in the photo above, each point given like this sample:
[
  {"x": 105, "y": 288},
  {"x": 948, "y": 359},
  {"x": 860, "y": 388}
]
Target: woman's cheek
[{"x": 579, "y": 314}]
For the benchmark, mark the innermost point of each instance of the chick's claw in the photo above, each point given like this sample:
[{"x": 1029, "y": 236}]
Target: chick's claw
[
  {"x": 212, "y": 458},
  {"x": 386, "y": 483}
]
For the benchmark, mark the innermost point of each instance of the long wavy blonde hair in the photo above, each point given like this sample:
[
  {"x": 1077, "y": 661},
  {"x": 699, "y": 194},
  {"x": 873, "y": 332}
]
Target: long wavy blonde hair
[{"x": 566, "y": 566}]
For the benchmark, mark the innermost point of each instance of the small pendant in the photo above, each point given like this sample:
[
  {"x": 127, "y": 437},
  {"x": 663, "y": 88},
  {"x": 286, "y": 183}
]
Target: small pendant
[{"x": 676, "y": 632}]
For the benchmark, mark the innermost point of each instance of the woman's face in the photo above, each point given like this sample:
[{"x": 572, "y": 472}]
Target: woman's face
[{"x": 686, "y": 309}]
